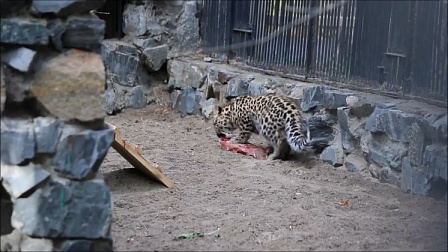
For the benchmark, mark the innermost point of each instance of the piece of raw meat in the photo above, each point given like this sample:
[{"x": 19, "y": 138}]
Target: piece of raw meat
[{"x": 246, "y": 149}]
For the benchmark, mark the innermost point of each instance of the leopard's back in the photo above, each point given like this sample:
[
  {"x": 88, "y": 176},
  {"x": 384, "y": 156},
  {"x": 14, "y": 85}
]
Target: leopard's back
[{"x": 273, "y": 116}]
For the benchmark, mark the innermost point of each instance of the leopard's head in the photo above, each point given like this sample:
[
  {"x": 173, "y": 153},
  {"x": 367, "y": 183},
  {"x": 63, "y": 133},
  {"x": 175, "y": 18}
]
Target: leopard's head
[{"x": 222, "y": 121}]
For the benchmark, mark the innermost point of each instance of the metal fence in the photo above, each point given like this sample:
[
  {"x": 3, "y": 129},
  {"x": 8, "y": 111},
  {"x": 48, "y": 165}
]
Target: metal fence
[{"x": 394, "y": 46}]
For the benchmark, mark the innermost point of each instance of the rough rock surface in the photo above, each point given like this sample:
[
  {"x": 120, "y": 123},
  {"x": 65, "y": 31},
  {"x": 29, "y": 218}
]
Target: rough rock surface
[
  {"x": 46, "y": 131},
  {"x": 66, "y": 7},
  {"x": 81, "y": 154},
  {"x": 65, "y": 208},
  {"x": 155, "y": 57},
  {"x": 24, "y": 32},
  {"x": 85, "y": 32},
  {"x": 18, "y": 142},
  {"x": 19, "y": 59},
  {"x": 121, "y": 61},
  {"x": 68, "y": 86},
  {"x": 29, "y": 176}
]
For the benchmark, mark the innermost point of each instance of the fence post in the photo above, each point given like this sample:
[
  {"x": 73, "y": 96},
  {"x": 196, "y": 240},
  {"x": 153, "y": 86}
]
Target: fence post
[
  {"x": 231, "y": 21},
  {"x": 311, "y": 43}
]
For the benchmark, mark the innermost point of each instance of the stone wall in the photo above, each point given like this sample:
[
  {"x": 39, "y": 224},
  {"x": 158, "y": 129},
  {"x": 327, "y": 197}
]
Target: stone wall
[
  {"x": 400, "y": 142},
  {"x": 53, "y": 136},
  {"x": 136, "y": 64}
]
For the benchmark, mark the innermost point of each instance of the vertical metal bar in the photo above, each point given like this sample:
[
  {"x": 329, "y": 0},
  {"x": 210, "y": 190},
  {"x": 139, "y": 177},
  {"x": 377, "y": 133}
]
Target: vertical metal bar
[
  {"x": 303, "y": 11},
  {"x": 264, "y": 28},
  {"x": 293, "y": 19},
  {"x": 351, "y": 37},
  {"x": 311, "y": 48},
  {"x": 230, "y": 19},
  {"x": 294, "y": 35}
]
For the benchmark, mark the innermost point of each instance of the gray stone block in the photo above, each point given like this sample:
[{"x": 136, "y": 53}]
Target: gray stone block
[
  {"x": 426, "y": 181},
  {"x": 225, "y": 75},
  {"x": 417, "y": 143},
  {"x": 260, "y": 86},
  {"x": 18, "y": 180},
  {"x": 65, "y": 209},
  {"x": 321, "y": 133},
  {"x": 333, "y": 156},
  {"x": 155, "y": 57},
  {"x": 56, "y": 27},
  {"x": 19, "y": 59},
  {"x": 334, "y": 99},
  {"x": 237, "y": 87},
  {"x": 65, "y": 8},
  {"x": 153, "y": 28},
  {"x": 121, "y": 61},
  {"x": 80, "y": 154},
  {"x": 385, "y": 152},
  {"x": 372, "y": 124},
  {"x": 190, "y": 101},
  {"x": 183, "y": 74},
  {"x": 47, "y": 131},
  {"x": 17, "y": 143},
  {"x": 207, "y": 107},
  {"x": 134, "y": 20},
  {"x": 313, "y": 98},
  {"x": 435, "y": 162},
  {"x": 396, "y": 124},
  {"x": 109, "y": 102},
  {"x": 175, "y": 98},
  {"x": 21, "y": 31},
  {"x": 435, "y": 128},
  {"x": 413, "y": 179},
  {"x": 17, "y": 84},
  {"x": 187, "y": 30},
  {"x": 84, "y": 32},
  {"x": 349, "y": 141},
  {"x": 139, "y": 99}
]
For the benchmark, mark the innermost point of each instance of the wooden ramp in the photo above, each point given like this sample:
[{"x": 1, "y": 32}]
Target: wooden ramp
[{"x": 134, "y": 156}]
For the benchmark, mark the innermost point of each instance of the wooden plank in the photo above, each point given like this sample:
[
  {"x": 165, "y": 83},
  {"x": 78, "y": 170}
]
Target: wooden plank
[{"x": 134, "y": 156}]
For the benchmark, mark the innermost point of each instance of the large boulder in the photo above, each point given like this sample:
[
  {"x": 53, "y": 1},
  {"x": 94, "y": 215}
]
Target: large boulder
[{"x": 68, "y": 86}]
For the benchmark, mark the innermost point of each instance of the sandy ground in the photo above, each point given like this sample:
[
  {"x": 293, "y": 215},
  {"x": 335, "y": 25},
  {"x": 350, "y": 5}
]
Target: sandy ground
[{"x": 244, "y": 204}]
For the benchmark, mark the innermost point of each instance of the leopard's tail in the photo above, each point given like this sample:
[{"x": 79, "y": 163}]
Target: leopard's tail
[{"x": 298, "y": 136}]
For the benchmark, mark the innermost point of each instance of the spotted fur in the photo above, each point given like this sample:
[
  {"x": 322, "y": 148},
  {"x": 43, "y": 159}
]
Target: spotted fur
[{"x": 274, "y": 117}]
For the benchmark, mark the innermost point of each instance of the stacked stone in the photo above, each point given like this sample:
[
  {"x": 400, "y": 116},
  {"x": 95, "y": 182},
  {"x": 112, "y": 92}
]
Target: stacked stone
[
  {"x": 406, "y": 150},
  {"x": 403, "y": 149},
  {"x": 136, "y": 64},
  {"x": 53, "y": 136}
]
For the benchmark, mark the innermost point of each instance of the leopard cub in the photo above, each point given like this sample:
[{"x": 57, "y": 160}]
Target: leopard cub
[{"x": 274, "y": 117}]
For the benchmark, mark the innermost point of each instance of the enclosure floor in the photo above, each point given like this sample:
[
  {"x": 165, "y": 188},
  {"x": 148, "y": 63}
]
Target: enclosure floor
[{"x": 256, "y": 205}]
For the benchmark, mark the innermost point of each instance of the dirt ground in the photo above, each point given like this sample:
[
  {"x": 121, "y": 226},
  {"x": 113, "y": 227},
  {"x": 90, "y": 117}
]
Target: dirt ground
[{"x": 241, "y": 203}]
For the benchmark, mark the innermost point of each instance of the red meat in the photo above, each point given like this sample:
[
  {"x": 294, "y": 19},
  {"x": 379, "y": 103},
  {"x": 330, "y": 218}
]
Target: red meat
[{"x": 246, "y": 149}]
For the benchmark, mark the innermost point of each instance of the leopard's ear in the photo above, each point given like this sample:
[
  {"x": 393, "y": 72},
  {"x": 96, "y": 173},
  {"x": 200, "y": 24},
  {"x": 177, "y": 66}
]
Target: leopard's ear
[{"x": 217, "y": 110}]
